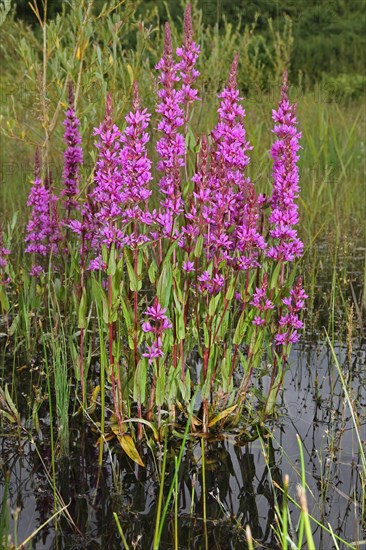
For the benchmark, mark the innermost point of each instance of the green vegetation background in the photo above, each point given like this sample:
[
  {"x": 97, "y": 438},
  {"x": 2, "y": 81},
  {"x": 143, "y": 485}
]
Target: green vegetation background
[{"x": 329, "y": 35}]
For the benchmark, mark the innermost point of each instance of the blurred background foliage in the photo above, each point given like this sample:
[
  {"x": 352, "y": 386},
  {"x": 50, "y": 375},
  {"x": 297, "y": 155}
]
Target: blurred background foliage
[{"x": 329, "y": 35}]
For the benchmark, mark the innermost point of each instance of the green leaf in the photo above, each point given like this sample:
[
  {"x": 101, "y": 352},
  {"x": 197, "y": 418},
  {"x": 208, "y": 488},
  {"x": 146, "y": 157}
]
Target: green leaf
[
  {"x": 128, "y": 316},
  {"x": 225, "y": 369},
  {"x": 4, "y": 299},
  {"x": 230, "y": 291},
  {"x": 198, "y": 247},
  {"x": 164, "y": 285},
  {"x": 11, "y": 405},
  {"x": 93, "y": 400},
  {"x": 213, "y": 304},
  {"x": 206, "y": 336},
  {"x": 139, "y": 386},
  {"x": 135, "y": 284},
  {"x": 82, "y": 310},
  {"x": 105, "y": 307},
  {"x": 112, "y": 261},
  {"x": 181, "y": 329},
  {"x": 160, "y": 387},
  {"x": 140, "y": 257},
  {"x": 275, "y": 275},
  {"x": 240, "y": 329},
  {"x": 105, "y": 254},
  {"x": 145, "y": 422},
  {"x": 152, "y": 271},
  {"x": 172, "y": 384}
]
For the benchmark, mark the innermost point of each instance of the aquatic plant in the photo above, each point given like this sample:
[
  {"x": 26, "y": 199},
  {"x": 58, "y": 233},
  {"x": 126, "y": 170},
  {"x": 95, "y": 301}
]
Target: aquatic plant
[
  {"x": 284, "y": 210},
  {"x": 171, "y": 147},
  {"x": 197, "y": 289},
  {"x": 145, "y": 329},
  {"x": 4, "y": 253},
  {"x": 43, "y": 231},
  {"x": 73, "y": 158}
]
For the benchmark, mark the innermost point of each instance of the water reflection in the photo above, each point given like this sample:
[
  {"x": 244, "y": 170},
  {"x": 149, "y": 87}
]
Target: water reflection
[{"x": 239, "y": 480}]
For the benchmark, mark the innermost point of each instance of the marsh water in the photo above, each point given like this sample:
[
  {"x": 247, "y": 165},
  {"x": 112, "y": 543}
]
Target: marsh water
[{"x": 239, "y": 476}]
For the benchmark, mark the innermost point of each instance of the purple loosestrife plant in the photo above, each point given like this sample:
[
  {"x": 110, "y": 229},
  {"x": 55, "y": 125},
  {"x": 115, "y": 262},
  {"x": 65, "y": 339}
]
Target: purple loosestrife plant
[
  {"x": 235, "y": 202},
  {"x": 284, "y": 215},
  {"x": 229, "y": 161},
  {"x": 223, "y": 290},
  {"x": 43, "y": 233},
  {"x": 4, "y": 253},
  {"x": 171, "y": 147},
  {"x": 290, "y": 322},
  {"x": 136, "y": 177},
  {"x": 223, "y": 196},
  {"x": 136, "y": 172},
  {"x": 188, "y": 53},
  {"x": 107, "y": 193},
  {"x": 157, "y": 324},
  {"x": 73, "y": 158}
]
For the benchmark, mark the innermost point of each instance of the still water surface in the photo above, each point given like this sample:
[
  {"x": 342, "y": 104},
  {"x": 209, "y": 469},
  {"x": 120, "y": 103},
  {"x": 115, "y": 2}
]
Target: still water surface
[{"x": 238, "y": 478}]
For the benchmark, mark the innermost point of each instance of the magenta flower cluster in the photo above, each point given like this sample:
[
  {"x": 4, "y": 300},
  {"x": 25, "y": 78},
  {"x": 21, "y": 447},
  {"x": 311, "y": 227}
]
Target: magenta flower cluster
[
  {"x": 188, "y": 53},
  {"x": 43, "y": 233},
  {"x": 261, "y": 302},
  {"x": 73, "y": 158},
  {"x": 170, "y": 147},
  {"x": 4, "y": 253},
  {"x": 136, "y": 172},
  {"x": 107, "y": 193},
  {"x": 289, "y": 322},
  {"x": 173, "y": 108},
  {"x": 222, "y": 210},
  {"x": 284, "y": 216},
  {"x": 233, "y": 211},
  {"x": 157, "y": 324},
  {"x": 121, "y": 190}
]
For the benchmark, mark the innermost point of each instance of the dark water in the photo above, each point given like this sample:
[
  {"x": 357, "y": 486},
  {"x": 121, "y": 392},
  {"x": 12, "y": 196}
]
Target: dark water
[{"x": 238, "y": 478}]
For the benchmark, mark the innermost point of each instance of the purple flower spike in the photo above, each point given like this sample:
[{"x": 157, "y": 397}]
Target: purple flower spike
[
  {"x": 156, "y": 312},
  {"x": 136, "y": 169},
  {"x": 171, "y": 147},
  {"x": 4, "y": 252},
  {"x": 43, "y": 234},
  {"x": 154, "y": 351},
  {"x": 158, "y": 323},
  {"x": 73, "y": 158},
  {"x": 188, "y": 266},
  {"x": 289, "y": 322},
  {"x": 284, "y": 216},
  {"x": 260, "y": 300},
  {"x": 188, "y": 53},
  {"x": 232, "y": 209},
  {"x": 106, "y": 198}
]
